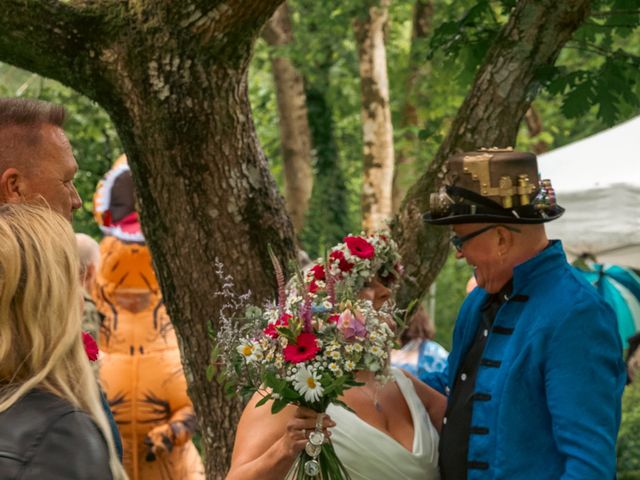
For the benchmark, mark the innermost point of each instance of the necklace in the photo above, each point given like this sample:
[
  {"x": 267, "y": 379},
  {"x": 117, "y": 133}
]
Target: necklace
[{"x": 374, "y": 396}]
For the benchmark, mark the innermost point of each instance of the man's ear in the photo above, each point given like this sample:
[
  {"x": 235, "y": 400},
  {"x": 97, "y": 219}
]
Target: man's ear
[
  {"x": 12, "y": 186},
  {"x": 505, "y": 240}
]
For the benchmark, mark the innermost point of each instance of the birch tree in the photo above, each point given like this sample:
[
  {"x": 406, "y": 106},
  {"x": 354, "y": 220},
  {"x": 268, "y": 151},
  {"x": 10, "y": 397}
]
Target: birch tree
[
  {"x": 376, "y": 116},
  {"x": 294, "y": 126}
]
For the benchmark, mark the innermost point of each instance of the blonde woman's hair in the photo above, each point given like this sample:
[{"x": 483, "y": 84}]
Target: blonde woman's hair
[{"x": 41, "y": 314}]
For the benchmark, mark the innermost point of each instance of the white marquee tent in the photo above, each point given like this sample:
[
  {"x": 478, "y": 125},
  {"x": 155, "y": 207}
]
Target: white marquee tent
[{"x": 597, "y": 181}]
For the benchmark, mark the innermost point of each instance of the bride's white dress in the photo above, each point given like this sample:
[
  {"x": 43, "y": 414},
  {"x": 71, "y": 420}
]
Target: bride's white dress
[{"x": 370, "y": 454}]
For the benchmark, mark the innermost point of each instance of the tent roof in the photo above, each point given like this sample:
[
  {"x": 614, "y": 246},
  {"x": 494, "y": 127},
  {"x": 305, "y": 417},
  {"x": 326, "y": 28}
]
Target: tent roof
[
  {"x": 601, "y": 160},
  {"x": 597, "y": 181}
]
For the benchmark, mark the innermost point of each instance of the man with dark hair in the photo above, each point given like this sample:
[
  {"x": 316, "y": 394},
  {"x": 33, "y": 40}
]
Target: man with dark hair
[
  {"x": 37, "y": 165},
  {"x": 36, "y": 161},
  {"x": 535, "y": 376}
]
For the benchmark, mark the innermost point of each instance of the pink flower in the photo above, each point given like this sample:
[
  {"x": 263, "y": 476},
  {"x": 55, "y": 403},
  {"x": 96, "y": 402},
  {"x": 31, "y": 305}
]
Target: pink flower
[
  {"x": 359, "y": 247},
  {"x": 343, "y": 264},
  {"x": 90, "y": 347},
  {"x": 351, "y": 325},
  {"x": 283, "y": 321},
  {"x": 305, "y": 348}
]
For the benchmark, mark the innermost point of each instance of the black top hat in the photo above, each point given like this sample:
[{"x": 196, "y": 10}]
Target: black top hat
[{"x": 493, "y": 186}]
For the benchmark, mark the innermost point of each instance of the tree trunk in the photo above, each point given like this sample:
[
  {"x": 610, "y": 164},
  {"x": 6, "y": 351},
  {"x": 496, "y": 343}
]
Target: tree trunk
[
  {"x": 417, "y": 69},
  {"x": 490, "y": 115},
  {"x": 294, "y": 127},
  {"x": 177, "y": 93},
  {"x": 376, "y": 117}
]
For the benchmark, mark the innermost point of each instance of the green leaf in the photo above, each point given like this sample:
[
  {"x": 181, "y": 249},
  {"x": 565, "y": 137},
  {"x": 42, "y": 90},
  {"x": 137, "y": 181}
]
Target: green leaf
[
  {"x": 578, "y": 101},
  {"x": 288, "y": 333},
  {"x": 263, "y": 400},
  {"x": 278, "y": 405},
  {"x": 211, "y": 370},
  {"x": 214, "y": 353}
]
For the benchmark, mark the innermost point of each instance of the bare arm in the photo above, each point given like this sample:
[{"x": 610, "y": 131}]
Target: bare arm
[
  {"x": 434, "y": 402},
  {"x": 267, "y": 445}
]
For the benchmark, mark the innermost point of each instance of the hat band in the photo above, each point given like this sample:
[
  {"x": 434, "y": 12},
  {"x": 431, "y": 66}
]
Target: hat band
[{"x": 485, "y": 206}]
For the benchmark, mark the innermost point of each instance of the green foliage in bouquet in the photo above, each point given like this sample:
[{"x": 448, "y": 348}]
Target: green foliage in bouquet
[{"x": 306, "y": 348}]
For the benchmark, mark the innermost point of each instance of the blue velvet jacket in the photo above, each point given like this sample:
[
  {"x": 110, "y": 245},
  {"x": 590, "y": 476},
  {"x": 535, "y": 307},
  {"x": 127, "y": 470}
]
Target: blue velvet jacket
[{"x": 549, "y": 388}]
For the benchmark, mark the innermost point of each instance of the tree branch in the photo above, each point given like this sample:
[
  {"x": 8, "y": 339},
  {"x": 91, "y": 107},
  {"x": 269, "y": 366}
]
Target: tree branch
[
  {"x": 66, "y": 31},
  {"x": 210, "y": 21},
  {"x": 502, "y": 91},
  {"x": 614, "y": 12}
]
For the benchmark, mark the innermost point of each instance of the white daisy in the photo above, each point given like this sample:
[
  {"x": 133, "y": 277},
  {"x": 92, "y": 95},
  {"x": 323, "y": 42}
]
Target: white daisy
[
  {"x": 349, "y": 365},
  {"x": 377, "y": 351},
  {"x": 307, "y": 383},
  {"x": 249, "y": 350},
  {"x": 357, "y": 347},
  {"x": 335, "y": 354}
]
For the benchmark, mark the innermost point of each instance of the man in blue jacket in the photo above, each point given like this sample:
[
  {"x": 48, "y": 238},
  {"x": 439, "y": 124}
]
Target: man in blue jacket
[{"x": 535, "y": 376}]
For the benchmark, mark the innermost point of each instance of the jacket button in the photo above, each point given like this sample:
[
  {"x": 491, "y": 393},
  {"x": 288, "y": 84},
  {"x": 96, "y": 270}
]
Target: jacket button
[
  {"x": 463, "y": 377},
  {"x": 444, "y": 421}
]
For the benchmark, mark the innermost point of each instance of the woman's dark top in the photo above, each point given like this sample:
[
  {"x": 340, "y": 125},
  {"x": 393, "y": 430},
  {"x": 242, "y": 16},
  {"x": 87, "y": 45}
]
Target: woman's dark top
[{"x": 44, "y": 436}]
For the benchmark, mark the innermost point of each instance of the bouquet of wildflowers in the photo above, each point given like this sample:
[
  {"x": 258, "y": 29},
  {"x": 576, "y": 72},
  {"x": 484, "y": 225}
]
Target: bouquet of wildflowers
[{"x": 305, "y": 349}]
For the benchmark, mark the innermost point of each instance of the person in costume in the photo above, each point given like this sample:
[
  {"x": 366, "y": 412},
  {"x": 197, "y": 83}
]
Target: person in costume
[
  {"x": 392, "y": 431},
  {"x": 535, "y": 375},
  {"x": 141, "y": 370}
]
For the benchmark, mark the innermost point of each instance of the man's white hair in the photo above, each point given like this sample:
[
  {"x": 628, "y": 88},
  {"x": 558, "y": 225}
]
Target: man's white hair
[{"x": 88, "y": 251}]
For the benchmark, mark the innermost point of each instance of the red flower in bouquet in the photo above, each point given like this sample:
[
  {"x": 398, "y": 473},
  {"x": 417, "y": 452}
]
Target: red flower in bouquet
[
  {"x": 305, "y": 348},
  {"x": 313, "y": 287},
  {"x": 333, "y": 318},
  {"x": 90, "y": 347},
  {"x": 359, "y": 247},
  {"x": 343, "y": 264},
  {"x": 283, "y": 321},
  {"x": 318, "y": 272}
]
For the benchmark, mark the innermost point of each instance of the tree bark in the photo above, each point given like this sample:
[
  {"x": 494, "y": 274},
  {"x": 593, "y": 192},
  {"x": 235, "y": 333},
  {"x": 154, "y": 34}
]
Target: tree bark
[
  {"x": 294, "y": 127},
  {"x": 490, "y": 115},
  {"x": 173, "y": 77},
  {"x": 376, "y": 116},
  {"x": 417, "y": 69}
]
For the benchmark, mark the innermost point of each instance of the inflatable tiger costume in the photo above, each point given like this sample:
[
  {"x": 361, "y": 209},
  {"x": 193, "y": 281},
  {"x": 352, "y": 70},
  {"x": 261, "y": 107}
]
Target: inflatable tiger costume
[{"x": 141, "y": 371}]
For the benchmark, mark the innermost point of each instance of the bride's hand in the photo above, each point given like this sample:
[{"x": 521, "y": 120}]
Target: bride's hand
[{"x": 299, "y": 427}]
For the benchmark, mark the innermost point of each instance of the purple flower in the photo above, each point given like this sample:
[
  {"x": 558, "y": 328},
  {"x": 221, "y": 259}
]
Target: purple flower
[{"x": 351, "y": 325}]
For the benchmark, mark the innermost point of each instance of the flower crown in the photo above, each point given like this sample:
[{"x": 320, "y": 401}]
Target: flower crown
[{"x": 354, "y": 262}]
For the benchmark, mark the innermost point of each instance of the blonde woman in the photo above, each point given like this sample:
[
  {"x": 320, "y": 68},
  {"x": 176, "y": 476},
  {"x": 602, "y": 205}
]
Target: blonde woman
[{"x": 51, "y": 422}]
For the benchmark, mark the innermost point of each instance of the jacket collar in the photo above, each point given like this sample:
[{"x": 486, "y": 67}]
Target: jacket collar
[{"x": 538, "y": 266}]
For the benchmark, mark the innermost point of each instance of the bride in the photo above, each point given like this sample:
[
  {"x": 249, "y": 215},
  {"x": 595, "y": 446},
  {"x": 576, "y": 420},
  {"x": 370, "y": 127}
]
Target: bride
[{"x": 392, "y": 431}]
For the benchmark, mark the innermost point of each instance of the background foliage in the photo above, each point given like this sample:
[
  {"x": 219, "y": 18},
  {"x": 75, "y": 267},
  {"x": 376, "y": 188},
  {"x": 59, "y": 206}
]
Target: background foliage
[
  {"x": 629, "y": 438},
  {"x": 593, "y": 85}
]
